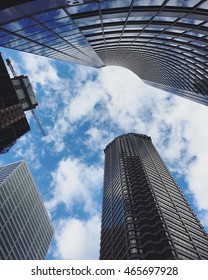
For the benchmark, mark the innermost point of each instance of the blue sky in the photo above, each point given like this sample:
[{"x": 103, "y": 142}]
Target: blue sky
[{"x": 82, "y": 109}]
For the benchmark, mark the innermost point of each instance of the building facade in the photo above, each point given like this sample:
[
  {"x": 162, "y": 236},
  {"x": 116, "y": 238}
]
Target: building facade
[
  {"x": 164, "y": 42},
  {"x": 145, "y": 215},
  {"x": 13, "y": 122},
  {"x": 26, "y": 230}
]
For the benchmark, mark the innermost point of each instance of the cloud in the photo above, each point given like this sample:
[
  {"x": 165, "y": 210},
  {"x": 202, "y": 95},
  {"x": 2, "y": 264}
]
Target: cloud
[
  {"x": 83, "y": 104},
  {"x": 40, "y": 70},
  {"x": 52, "y": 93},
  {"x": 99, "y": 138},
  {"x": 77, "y": 239},
  {"x": 76, "y": 183},
  {"x": 25, "y": 148}
]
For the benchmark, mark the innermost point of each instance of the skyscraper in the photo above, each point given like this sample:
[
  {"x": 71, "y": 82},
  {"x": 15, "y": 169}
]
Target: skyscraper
[
  {"x": 163, "y": 41},
  {"x": 13, "y": 122},
  {"x": 26, "y": 230},
  {"x": 145, "y": 215}
]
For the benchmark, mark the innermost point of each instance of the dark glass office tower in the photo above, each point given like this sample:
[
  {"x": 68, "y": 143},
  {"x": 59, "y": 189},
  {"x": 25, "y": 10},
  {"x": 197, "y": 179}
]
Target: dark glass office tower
[
  {"x": 145, "y": 215},
  {"x": 25, "y": 227},
  {"x": 165, "y": 42}
]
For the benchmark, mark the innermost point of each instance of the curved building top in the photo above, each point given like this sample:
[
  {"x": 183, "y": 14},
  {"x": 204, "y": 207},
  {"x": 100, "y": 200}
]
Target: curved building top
[
  {"x": 130, "y": 134},
  {"x": 165, "y": 42}
]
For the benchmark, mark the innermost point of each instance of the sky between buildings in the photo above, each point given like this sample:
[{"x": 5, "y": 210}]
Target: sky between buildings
[{"x": 83, "y": 109}]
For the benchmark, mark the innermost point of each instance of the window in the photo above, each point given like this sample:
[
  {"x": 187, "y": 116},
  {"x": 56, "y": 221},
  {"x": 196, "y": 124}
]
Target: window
[
  {"x": 132, "y": 241},
  {"x": 131, "y": 232},
  {"x": 134, "y": 251}
]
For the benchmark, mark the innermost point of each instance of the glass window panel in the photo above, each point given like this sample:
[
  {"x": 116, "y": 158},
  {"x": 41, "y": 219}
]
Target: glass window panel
[
  {"x": 116, "y": 16},
  {"x": 148, "y": 2},
  {"x": 183, "y": 3},
  {"x": 186, "y": 20},
  {"x": 46, "y": 39},
  {"x": 115, "y": 4},
  {"x": 195, "y": 34},
  {"x": 91, "y": 31},
  {"x": 155, "y": 27},
  {"x": 73, "y": 31},
  {"x": 1, "y": 34},
  {"x": 113, "y": 28},
  {"x": 54, "y": 42},
  {"x": 34, "y": 48},
  {"x": 8, "y": 38},
  {"x": 83, "y": 8},
  {"x": 98, "y": 37},
  {"x": 19, "y": 24},
  {"x": 87, "y": 19},
  {"x": 159, "y": 18},
  {"x": 123, "y": 19},
  {"x": 64, "y": 28},
  {"x": 31, "y": 30},
  {"x": 204, "y": 5},
  {"x": 58, "y": 22},
  {"x": 134, "y": 250},
  {"x": 16, "y": 43},
  {"x": 50, "y": 15},
  {"x": 176, "y": 30}
]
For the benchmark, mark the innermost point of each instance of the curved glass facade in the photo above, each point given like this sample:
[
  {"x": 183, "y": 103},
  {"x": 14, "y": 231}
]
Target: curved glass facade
[
  {"x": 145, "y": 215},
  {"x": 165, "y": 42}
]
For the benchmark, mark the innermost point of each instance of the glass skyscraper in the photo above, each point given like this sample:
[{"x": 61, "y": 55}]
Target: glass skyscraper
[
  {"x": 25, "y": 227},
  {"x": 165, "y": 42},
  {"x": 145, "y": 215}
]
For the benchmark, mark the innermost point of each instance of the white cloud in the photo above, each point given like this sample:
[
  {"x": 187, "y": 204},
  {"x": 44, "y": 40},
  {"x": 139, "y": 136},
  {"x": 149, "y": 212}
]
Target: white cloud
[
  {"x": 25, "y": 148},
  {"x": 40, "y": 70},
  {"x": 52, "y": 93},
  {"x": 98, "y": 138},
  {"x": 77, "y": 239},
  {"x": 83, "y": 104},
  {"x": 76, "y": 183}
]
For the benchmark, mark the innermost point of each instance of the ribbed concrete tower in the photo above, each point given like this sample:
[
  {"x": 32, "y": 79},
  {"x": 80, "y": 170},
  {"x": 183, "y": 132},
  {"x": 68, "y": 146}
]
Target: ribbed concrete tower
[{"x": 145, "y": 215}]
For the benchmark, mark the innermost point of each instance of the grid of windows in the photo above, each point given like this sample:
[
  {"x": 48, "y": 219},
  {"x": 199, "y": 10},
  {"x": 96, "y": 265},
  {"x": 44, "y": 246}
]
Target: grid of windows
[
  {"x": 144, "y": 209},
  {"x": 13, "y": 123},
  {"x": 164, "y": 42},
  {"x": 26, "y": 230}
]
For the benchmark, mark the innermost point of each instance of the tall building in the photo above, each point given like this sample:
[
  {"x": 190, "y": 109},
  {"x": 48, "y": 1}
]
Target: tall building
[
  {"x": 164, "y": 42},
  {"x": 13, "y": 122},
  {"x": 26, "y": 230},
  {"x": 145, "y": 215}
]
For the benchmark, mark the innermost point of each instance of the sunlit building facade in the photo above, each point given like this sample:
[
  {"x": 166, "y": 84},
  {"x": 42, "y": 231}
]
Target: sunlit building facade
[
  {"x": 165, "y": 42},
  {"x": 26, "y": 229},
  {"x": 145, "y": 215}
]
